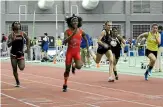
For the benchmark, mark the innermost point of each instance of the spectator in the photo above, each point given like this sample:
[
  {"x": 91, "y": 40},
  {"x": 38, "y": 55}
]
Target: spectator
[
  {"x": 160, "y": 51},
  {"x": 83, "y": 50},
  {"x": 3, "y": 44},
  {"x": 45, "y": 46},
  {"x": 59, "y": 41}
]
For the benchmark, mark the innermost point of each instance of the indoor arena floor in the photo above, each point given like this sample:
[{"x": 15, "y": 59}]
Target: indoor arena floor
[{"x": 41, "y": 86}]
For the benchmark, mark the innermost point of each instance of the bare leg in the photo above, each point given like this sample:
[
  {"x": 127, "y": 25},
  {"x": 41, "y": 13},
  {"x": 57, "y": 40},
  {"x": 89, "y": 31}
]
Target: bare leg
[
  {"x": 66, "y": 76},
  {"x": 98, "y": 59},
  {"x": 67, "y": 70},
  {"x": 115, "y": 61},
  {"x": 92, "y": 53},
  {"x": 78, "y": 64},
  {"x": 109, "y": 55},
  {"x": 15, "y": 72},
  {"x": 21, "y": 64},
  {"x": 151, "y": 64},
  {"x": 152, "y": 59}
]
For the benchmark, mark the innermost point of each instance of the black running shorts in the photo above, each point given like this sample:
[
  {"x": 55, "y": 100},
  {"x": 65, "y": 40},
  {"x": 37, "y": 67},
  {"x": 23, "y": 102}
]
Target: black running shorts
[{"x": 147, "y": 52}]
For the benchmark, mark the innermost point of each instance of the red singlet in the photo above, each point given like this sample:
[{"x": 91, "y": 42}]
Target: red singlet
[{"x": 73, "y": 50}]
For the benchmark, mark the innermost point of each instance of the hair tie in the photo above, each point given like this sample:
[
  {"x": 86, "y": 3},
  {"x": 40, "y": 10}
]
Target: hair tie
[{"x": 74, "y": 18}]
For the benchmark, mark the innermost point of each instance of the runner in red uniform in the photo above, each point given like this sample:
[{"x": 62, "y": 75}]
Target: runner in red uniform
[{"x": 73, "y": 37}]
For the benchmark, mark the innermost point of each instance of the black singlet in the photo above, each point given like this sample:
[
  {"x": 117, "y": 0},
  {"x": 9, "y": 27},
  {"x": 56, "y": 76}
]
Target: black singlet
[{"x": 18, "y": 44}]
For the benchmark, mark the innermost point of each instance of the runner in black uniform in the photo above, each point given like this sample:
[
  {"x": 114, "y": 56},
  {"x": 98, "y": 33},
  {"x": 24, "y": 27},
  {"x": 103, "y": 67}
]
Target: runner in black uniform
[
  {"x": 105, "y": 48},
  {"x": 116, "y": 42},
  {"x": 16, "y": 42}
]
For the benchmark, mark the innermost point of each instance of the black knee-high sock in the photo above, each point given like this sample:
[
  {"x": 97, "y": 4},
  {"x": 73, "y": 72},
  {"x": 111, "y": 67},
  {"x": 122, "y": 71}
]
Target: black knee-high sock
[
  {"x": 150, "y": 67},
  {"x": 115, "y": 73}
]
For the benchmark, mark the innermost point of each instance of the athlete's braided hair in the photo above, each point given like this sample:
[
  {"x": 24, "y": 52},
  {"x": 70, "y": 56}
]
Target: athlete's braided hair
[{"x": 70, "y": 19}]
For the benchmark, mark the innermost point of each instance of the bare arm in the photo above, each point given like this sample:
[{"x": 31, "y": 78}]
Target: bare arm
[
  {"x": 65, "y": 38},
  {"x": 158, "y": 39},
  {"x": 121, "y": 39},
  {"x": 101, "y": 36},
  {"x": 27, "y": 40},
  {"x": 141, "y": 36},
  {"x": 10, "y": 39}
]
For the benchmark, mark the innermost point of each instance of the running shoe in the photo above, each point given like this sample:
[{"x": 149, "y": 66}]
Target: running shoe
[
  {"x": 110, "y": 79},
  {"x": 64, "y": 88}
]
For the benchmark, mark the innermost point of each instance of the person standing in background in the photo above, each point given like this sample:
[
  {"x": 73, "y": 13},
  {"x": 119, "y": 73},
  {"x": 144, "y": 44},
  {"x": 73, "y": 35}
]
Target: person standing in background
[
  {"x": 126, "y": 48},
  {"x": 158, "y": 65},
  {"x": 59, "y": 41},
  {"x": 45, "y": 46},
  {"x": 83, "y": 50},
  {"x": 4, "y": 45},
  {"x": 35, "y": 48}
]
